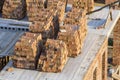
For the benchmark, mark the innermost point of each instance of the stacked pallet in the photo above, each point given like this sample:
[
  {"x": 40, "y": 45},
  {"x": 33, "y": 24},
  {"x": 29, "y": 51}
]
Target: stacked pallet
[
  {"x": 74, "y": 31},
  {"x": 27, "y": 51},
  {"x": 15, "y": 9},
  {"x": 116, "y": 44},
  {"x": 54, "y": 56},
  {"x": 1, "y": 5},
  {"x": 84, "y": 4}
]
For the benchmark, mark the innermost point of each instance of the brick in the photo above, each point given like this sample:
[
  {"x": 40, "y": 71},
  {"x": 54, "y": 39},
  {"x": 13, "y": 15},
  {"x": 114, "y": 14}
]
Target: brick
[
  {"x": 54, "y": 56},
  {"x": 15, "y": 9},
  {"x": 27, "y": 51}
]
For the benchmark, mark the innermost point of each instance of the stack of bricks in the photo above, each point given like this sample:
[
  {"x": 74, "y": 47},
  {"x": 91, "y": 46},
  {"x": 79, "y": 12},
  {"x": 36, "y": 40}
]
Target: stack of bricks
[
  {"x": 27, "y": 51},
  {"x": 59, "y": 9},
  {"x": 34, "y": 8},
  {"x": 53, "y": 57},
  {"x": 42, "y": 17},
  {"x": 74, "y": 31},
  {"x": 116, "y": 44},
  {"x": 71, "y": 37},
  {"x": 84, "y": 4},
  {"x": 42, "y": 21},
  {"x": 78, "y": 17},
  {"x": 15, "y": 9},
  {"x": 1, "y": 5}
]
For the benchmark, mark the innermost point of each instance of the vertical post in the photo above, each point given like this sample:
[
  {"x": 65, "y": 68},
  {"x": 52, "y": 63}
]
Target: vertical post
[
  {"x": 95, "y": 74},
  {"x": 104, "y": 60},
  {"x": 104, "y": 66},
  {"x": 116, "y": 44}
]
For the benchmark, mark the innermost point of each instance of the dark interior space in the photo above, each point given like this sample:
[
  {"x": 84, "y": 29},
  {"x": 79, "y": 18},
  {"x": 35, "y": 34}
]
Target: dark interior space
[{"x": 99, "y": 1}]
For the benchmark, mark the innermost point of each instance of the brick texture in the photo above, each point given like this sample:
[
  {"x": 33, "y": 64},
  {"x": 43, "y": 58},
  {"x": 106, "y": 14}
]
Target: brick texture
[
  {"x": 98, "y": 68},
  {"x": 116, "y": 44},
  {"x": 15, "y": 9}
]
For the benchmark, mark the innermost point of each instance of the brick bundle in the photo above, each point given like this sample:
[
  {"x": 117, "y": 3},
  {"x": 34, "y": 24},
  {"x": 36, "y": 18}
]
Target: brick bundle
[
  {"x": 44, "y": 17},
  {"x": 71, "y": 38},
  {"x": 15, "y": 9},
  {"x": 27, "y": 51},
  {"x": 59, "y": 6},
  {"x": 42, "y": 22},
  {"x": 53, "y": 57},
  {"x": 78, "y": 17},
  {"x": 84, "y": 4},
  {"x": 116, "y": 44},
  {"x": 34, "y": 8},
  {"x": 1, "y": 5},
  {"x": 73, "y": 31}
]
